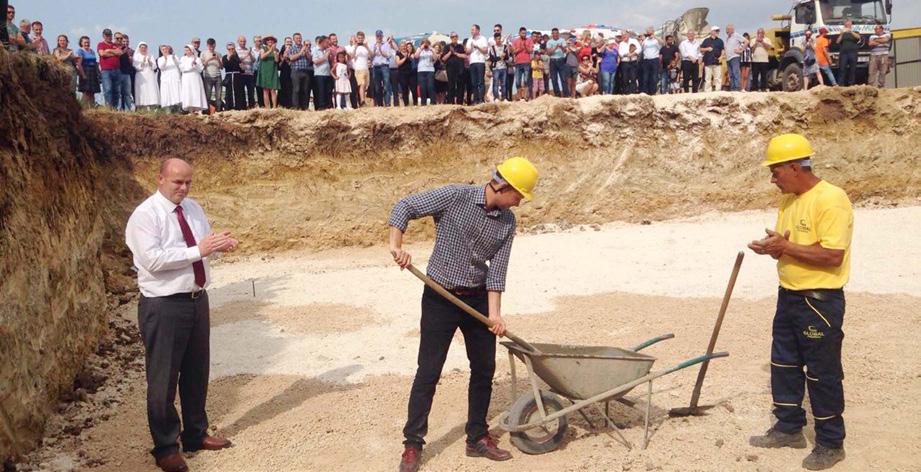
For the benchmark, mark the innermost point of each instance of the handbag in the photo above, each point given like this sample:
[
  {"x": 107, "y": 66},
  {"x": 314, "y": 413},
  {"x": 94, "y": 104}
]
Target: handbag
[{"x": 441, "y": 76}]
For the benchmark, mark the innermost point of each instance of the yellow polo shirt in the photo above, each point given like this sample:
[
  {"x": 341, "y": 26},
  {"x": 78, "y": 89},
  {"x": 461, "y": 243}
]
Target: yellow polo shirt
[{"x": 821, "y": 215}]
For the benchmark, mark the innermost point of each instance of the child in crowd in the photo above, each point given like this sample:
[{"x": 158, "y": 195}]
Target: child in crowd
[
  {"x": 537, "y": 75},
  {"x": 343, "y": 85}
]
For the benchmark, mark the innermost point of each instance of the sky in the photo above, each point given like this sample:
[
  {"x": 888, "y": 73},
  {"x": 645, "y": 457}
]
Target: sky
[{"x": 175, "y": 22}]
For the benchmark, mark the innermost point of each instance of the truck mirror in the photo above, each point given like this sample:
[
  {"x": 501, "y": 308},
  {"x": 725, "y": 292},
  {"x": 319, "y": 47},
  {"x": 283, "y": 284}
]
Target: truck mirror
[{"x": 888, "y": 7}]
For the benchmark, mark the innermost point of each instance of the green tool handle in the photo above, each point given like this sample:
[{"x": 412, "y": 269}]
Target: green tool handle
[{"x": 467, "y": 308}]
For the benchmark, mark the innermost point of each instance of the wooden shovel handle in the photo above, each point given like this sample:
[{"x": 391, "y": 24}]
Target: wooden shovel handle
[{"x": 467, "y": 308}]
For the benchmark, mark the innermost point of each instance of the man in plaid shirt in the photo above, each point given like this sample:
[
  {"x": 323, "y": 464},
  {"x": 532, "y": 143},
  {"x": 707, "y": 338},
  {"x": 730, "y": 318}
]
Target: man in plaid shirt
[{"x": 474, "y": 229}]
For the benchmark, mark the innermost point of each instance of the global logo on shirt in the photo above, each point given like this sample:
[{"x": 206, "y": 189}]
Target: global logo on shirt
[{"x": 802, "y": 226}]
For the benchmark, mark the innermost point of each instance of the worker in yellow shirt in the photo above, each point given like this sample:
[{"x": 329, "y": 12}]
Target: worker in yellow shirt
[{"x": 811, "y": 243}]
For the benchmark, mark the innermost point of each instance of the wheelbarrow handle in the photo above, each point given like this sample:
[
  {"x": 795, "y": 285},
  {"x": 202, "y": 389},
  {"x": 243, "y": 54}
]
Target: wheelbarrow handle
[
  {"x": 467, "y": 308},
  {"x": 697, "y": 360},
  {"x": 649, "y": 342}
]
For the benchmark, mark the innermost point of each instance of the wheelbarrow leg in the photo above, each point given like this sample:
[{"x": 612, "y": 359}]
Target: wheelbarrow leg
[
  {"x": 514, "y": 389},
  {"x": 535, "y": 389},
  {"x": 610, "y": 422},
  {"x": 648, "y": 405}
]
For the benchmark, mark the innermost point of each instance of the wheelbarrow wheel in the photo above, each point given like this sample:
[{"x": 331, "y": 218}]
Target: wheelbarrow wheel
[{"x": 540, "y": 439}]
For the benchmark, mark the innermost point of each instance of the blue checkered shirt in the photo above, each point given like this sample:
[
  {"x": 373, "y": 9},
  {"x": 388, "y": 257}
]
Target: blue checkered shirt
[
  {"x": 472, "y": 244},
  {"x": 299, "y": 63}
]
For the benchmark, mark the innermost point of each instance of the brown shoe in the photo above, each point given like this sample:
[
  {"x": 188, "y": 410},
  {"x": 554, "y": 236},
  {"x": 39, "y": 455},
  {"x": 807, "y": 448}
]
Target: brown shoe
[
  {"x": 486, "y": 447},
  {"x": 172, "y": 462},
  {"x": 209, "y": 443},
  {"x": 410, "y": 460}
]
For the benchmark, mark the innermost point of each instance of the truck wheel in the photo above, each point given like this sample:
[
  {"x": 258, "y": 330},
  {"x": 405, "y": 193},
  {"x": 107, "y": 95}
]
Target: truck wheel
[
  {"x": 541, "y": 439},
  {"x": 792, "y": 77}
]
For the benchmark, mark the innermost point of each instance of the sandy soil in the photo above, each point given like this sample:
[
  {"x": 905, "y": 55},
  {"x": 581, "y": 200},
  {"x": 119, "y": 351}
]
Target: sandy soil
[{"x": 303, "y": 381}]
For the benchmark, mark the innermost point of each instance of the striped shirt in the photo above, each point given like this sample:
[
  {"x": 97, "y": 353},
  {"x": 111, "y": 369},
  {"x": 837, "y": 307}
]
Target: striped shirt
[{"x": 472, "y": 244}]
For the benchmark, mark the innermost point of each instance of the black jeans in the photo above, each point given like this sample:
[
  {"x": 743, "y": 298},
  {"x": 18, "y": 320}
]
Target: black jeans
[
  {"x": 300, "y": 88},
  {"x": 456, "y": 82},
  {"x": 478, "y": 81},
  {"x": 249, "y": 85},
  {"x": 408, "y": 87},
  {"x": 759, "y": 76},
  {"x": 807, "y": 334},
  {"x": 176, "y": 333},
  {"x": 847, "y": 68},
  {"x": 630, "y": 69},
  {"x": 440, "y": 319},
  {"x": 322, "y": 92},
  {"x": 691, "y": 76},
  {"x": 426, "y": 82}
]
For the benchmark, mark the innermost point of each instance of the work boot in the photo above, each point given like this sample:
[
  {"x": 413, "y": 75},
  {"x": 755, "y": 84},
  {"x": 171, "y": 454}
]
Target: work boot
[
  {"x": 774, "y": 439},
  {"x": 823, "y": 457},
  {"x": 486, "y": 447},
  {"x": 172, "y": 462},
  {"x": 410, "y": 460}
]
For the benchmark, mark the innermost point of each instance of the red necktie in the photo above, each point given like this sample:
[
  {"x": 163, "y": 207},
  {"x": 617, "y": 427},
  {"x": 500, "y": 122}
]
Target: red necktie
[{"x": 198, "y": 266}]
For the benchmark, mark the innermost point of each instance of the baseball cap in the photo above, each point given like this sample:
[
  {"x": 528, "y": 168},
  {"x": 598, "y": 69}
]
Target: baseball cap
[
  {"x": 379, "y": 33},
  {"x": 196, "y": 40},
  {"x": 107, "y": 32},
  {"x": 715, "y": 28}
]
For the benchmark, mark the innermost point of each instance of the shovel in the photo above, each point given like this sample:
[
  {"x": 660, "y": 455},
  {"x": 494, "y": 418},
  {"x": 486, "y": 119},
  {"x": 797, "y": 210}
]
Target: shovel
[
  {"x": 694, "y": 409},
  {"x": 467, "y": 308}
]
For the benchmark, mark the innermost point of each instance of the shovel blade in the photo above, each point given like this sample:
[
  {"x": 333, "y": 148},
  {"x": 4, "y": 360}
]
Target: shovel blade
[{"x": 689, "y": 411}]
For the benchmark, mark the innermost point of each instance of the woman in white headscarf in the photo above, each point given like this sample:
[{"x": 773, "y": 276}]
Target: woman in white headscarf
[
  {"x": 170, "y": 79},
  {"x": 193, "y": 88},
  {"x": 146, "y": 91}
]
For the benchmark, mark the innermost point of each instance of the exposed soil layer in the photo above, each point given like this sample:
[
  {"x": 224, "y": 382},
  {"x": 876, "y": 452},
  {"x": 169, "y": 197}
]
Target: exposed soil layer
[{"x": 286, "y": 179}]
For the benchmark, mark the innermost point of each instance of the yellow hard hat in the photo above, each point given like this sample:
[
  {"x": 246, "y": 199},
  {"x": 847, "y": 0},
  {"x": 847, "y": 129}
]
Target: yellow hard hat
[
  {"x": 520, "y": 174},
  {"x": 786, "y": 148}
]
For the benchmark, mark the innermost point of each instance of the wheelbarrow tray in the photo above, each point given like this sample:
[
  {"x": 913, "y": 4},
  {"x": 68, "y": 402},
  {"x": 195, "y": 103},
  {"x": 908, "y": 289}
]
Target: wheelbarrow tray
[{"x": 580, "y": 372}]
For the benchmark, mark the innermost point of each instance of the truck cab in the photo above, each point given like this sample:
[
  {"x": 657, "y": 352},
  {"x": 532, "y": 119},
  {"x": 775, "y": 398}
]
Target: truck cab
[{"x": 830, "y": 14}]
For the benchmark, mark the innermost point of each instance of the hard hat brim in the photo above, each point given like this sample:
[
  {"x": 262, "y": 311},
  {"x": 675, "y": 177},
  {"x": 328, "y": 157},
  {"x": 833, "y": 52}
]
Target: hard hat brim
[{"x": 768, "y": 163}]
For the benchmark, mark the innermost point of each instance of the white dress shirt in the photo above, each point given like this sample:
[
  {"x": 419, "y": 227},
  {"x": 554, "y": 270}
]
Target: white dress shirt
[
  {"x": 623, "y": 49},
  {"x": 690, "y": 50},
  {"x": 474, "y": 44},
  {"x": 163, "y": 260}
]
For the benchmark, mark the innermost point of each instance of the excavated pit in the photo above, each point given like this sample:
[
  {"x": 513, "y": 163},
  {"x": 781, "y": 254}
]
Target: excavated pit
[{"x": 284, "y": 180}]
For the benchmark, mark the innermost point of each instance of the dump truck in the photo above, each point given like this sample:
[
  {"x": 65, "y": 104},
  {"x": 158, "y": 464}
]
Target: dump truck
[{"x": 787, "y": 64}]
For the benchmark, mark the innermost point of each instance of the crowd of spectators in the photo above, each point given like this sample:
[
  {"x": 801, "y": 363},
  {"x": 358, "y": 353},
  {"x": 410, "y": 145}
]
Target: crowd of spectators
[{"x": 300, "y": 73}]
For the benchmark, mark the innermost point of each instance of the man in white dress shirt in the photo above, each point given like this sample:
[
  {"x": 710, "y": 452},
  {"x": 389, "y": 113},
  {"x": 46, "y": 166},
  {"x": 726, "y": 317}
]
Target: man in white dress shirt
[
  {"x": 171, "y": 240},
  {"x": 690, "y": 63}
]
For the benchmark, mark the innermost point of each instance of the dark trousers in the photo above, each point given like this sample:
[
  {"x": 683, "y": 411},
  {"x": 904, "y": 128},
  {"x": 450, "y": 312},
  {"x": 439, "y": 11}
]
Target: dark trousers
[
  {"x": 395, "y": 86},
  {"x": 235, "y": 95},
  {"x": 691, "y": 76},
  {"x": 847, "y": 68},
  {"x": 440, "y": 319},
  {"x": 249, "y": 84},
  {"x": 175, "y": 332},
  {"x": 630, "y": 69},
  {"x": 478, "y": 81},
  {"x": 300, "y": 86},
  {"x": 426, "y": 87},
  {"x": 807, "y": 333},
  {"x": 353, "y": 96},
  {"x": 456, "y": 81},
  {"x": 408, "y": 87},
  {"x": 213, "y": 91},
  {"x": 759, "y": 76},
  {"x": 650, "y": 76},
  {"x": 558, "y": 72},
  {"x": 322, "y": 92}
]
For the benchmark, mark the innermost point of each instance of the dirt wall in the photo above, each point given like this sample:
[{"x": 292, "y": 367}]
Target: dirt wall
[
  {"x": 284, "y": 179},
  {"x": 54, "y": 225}
]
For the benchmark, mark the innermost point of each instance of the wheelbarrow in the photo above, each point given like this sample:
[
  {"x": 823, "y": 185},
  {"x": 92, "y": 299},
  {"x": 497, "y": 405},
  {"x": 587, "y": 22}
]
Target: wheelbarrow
[{"x": 585, "y": 376}]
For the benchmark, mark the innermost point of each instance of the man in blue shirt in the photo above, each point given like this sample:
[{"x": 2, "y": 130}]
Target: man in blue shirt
[
  {"x": 381, "y": 52},
  {"x": 556, "y": 48},
  {"x": 712, "y": 49}
]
